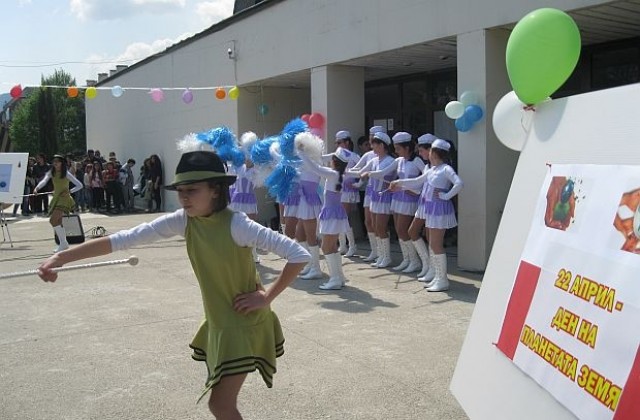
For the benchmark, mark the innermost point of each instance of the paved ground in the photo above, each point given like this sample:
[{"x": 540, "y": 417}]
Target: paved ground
[{"x": 112, "y": 343}]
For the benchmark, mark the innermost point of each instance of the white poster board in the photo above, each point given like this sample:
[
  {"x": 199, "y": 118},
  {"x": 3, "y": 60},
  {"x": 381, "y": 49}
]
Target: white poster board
[
  {"x": 598, "y": 128},
  {"x": 13, "y": 171}
]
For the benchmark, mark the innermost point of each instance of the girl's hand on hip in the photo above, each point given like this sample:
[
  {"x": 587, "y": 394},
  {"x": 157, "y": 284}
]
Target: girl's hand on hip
[{"x": 249, "y": 302}]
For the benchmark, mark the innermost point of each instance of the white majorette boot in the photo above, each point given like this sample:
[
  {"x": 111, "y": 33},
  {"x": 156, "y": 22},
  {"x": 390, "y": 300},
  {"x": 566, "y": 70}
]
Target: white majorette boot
[
  {"x": 385, "y": 261},
  {"x": 440, "y": 282},
  {"x": 414, "y": 259},
  {"x": 431, "y": 274},
  {"x": 336, "y": 279},
  {"x": 405, "y": 256},
  {"x": 380, "y": 252},
  {"x": 342, "y": 240},
  {"x": 352, "y": 244},
  {"x": 62, "y": 238},
  {"x": 314, "y": 265},
  {"x": 373, "y": 241},
  {"x": 423, "y": 254},
  {"x": 306, "y": 268}
]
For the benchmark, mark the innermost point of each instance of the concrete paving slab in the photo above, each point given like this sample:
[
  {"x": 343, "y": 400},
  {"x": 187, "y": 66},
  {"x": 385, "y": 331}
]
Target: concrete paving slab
[{"x": 112, "y": 343}]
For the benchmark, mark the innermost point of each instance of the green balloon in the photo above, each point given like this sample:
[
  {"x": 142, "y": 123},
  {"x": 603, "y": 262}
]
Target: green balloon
[{"x": 542, "y": 52}]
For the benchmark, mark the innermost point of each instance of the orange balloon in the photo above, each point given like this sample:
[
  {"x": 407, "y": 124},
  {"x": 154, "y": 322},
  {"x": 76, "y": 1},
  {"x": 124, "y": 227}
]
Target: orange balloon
[
  {"x": 221, "y": 93},
  {"x": 72, "y": 92}
]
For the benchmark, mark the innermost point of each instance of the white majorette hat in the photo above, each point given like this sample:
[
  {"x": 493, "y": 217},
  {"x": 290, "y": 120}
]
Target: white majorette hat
[
  {"x": 383, "y": 137},
  {"x": 401, "y": 137},
  {"x": 342, "y": 154},
  {"x": 343, "y": 134},
  {"x": 440, "y": 144},
  {"x": 377, "y": 129},
  {"x": 426, "y": 138}
]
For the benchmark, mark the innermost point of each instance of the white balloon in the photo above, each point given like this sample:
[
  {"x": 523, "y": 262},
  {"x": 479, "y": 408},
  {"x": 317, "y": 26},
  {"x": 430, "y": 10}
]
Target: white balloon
[
  {"x": 454, "y": 110},
  {"x": 512, "y": 122},
  {"x": 468, "y": 98}
]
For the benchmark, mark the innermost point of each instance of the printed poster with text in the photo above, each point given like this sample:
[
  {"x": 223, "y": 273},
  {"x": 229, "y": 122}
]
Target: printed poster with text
[{"x": 573, "y": 319}]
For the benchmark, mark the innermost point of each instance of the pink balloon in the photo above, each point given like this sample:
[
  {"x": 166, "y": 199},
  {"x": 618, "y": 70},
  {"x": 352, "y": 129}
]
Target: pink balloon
[
  {"x": 157, "y": 94},
  {"x": 305, "y": 118},
  {"x": 316, "y": 120}
]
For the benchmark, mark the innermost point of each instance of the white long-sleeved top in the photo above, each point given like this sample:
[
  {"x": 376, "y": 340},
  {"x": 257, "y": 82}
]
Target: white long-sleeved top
[
  {"x": 375, "y": 164},
  {"x": 442, "y": 177},
  {"x": 363, "y": 161},
  {"x": 244, "y": 231},
  {"x": 331, "y": 176},
  {"x": 405, "y": 169},
  {"x": 77, "y": 185}
]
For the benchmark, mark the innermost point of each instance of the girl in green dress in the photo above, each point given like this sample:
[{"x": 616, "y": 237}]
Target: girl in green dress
[
  {"x": 61, "y": 202},
  {"x": 240, "y": 333}
]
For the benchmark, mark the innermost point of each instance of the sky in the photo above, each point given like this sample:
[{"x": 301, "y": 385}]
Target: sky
[{"x": 87, "y": 37}]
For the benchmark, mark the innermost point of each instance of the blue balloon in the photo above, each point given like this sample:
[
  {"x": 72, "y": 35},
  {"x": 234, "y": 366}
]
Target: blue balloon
[
  {"x": 473, "y": 113},
  {"x": 463, "y": 124}
]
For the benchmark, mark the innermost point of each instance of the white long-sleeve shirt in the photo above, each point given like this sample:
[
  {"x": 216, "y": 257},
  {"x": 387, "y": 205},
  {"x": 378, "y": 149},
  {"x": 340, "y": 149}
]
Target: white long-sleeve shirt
[
  {"x": 405, "y": 169},
  {"x": 244, "y": 231},
  {"x": 330, "y": 175},
  {"x": 442, "y": 177},
  {"x": 375, "y": 164},
  {"x": 77, "y": 185}
]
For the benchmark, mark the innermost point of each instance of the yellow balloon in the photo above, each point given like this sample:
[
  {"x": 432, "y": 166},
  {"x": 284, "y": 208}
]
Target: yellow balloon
[
  {"x": 91, "y": 93},
  {"x": 234, "y": 92}
]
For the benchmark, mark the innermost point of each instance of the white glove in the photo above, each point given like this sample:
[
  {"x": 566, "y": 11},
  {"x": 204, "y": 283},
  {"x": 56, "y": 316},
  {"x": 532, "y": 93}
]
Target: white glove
[{"x": 444, "y": 196}]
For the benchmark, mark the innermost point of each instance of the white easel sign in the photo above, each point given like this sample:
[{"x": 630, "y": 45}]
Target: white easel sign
[{"x": 13, "y": 171}]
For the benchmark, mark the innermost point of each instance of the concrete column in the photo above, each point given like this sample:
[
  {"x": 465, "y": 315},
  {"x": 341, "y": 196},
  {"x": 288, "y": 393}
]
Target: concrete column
[
  {"x": 337, "y": 92},
  {"x": 484, "y": 164}
]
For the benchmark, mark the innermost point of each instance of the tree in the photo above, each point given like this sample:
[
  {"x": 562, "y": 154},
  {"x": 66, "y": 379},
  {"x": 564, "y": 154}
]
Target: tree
[{"x": 48, "y": 120}]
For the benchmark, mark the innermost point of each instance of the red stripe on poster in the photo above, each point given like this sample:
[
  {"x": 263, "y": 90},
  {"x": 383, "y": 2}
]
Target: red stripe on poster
[
  {"x": 518, "y": 307},
  {"x": 629, "y": 405}
]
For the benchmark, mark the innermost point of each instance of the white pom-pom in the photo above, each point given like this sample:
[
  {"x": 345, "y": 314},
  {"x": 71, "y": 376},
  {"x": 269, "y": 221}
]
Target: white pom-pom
[
  {"x": 260, "y": 174},
  {"x": 310, "y": 144},
  {"x": 190, "y": 143},
  {"x": 247, "y": 140},
  {"x": 274, "y": 151}
]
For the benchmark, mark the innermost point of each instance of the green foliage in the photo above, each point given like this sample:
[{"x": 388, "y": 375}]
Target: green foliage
[{"x": 48, "y": 120}]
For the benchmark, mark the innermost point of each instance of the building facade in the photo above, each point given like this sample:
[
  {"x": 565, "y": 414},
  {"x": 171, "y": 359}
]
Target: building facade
[{"x": 359, "y": 62}]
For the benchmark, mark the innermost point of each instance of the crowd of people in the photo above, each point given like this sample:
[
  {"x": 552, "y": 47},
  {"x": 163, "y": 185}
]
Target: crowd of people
[
  {"x": 407, "y": 181},
  {"x": 108, "y": 185}
]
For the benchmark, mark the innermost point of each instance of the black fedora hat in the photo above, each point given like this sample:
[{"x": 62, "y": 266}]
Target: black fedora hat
[{"x": 200, "y": 166}]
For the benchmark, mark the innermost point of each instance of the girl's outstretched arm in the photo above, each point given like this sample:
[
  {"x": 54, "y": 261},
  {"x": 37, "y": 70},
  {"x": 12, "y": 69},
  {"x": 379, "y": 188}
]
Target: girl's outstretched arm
[{"x": 93, "y": 248}]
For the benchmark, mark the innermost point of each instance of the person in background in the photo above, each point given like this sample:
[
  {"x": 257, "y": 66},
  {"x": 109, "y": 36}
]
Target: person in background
[
  {"x": 442, "y": 184},
  {"x": 40, "y": 169},
  {"x": 126, "y": 181},
  {"x": 86, "y": 192},
  {"x": 155, "y": 175},
  {"x": 97, "y": 186},
  {"x": 366, "y": 201},
  {"x": 61, "y": 202},
  {"x": 380, "y": 202}
]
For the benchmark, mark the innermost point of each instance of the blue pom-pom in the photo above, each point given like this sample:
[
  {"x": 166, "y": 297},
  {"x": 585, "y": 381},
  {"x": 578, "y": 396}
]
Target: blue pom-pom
[
  {"x": 282, "y": 181},
  {"x": 260, "y": 154},
  {"x": 288, "y": 135}
]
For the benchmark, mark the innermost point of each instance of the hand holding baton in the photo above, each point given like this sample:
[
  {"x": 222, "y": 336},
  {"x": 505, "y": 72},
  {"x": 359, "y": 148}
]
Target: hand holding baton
[{"x": 132, "y": 260}]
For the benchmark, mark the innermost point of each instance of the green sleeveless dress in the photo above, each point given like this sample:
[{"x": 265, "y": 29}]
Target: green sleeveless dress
[
  {"x": 230, "y": 343},
  {"x": 58, "y": 201}
]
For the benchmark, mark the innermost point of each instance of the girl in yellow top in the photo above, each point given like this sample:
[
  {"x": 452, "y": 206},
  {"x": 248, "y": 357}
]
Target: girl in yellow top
[
  {"x": 240, "y": 333},
  {"x": 62, "y": 202}
]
